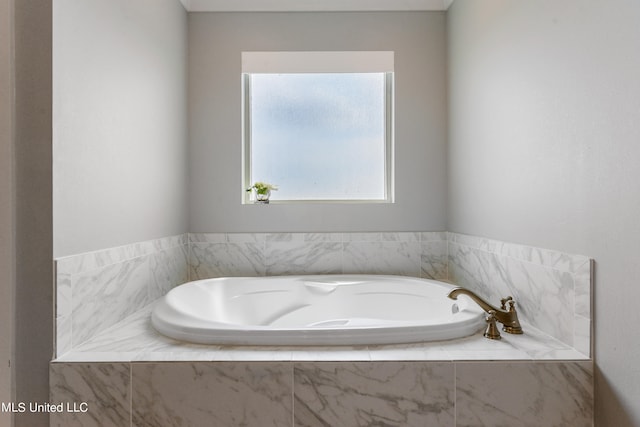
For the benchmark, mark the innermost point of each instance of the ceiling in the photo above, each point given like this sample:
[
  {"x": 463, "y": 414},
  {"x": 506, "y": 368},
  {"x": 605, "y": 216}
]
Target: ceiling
[{"x": 313, "y": 5}]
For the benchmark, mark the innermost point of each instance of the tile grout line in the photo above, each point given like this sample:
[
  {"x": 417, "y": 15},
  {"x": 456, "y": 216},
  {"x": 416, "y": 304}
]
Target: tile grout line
[
  {"x": 455, "y": 394},
  {"x": 130, "y": 394},
  {"x": 293, "y": 395}
]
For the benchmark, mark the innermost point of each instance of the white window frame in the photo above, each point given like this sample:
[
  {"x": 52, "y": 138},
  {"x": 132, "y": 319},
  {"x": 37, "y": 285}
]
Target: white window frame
[{"x": 319, "y": 62}]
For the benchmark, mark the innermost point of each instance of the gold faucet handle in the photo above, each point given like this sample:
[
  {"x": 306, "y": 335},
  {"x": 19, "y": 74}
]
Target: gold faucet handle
[
  {"x": 492, "y": 331},
  {"x": 513, "y": 326},
  {"x": 503, "y": 302}
]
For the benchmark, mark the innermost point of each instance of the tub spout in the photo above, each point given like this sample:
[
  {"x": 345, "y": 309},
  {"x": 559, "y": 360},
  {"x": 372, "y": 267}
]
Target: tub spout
[{"x": 508, "y": 318}]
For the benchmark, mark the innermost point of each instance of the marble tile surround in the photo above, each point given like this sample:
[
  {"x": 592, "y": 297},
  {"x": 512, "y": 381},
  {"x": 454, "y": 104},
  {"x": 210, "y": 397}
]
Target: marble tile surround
[
  {"x": 98, "y": 289},
  {"x": 310, "y": 394},
  {"x": 552, "y": 289},
  {"x": 135, "y": 339},
  {"x": 417, "y": 254},
  {"x": 104, "y": 387},
  {"x": 538, "y": 379}
]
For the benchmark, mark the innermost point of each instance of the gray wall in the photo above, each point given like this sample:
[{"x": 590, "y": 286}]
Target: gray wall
[
  {"x": 215, "y": 43},
  {"x": 544, "y": 130},
  {"x": 7, "y": 244},
  {"x": 120, "y": 122}
]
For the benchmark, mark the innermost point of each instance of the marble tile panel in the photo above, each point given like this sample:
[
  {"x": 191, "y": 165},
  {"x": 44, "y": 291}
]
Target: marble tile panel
[
  {"x": 207, "y": 238},
  {"x": 477, "y": 342},
  {"x": 332, "y": 354},
  {"x": 285, "y": 237},
  {"x": 295, "y": 257},
  {"x": 149, "y": 247},
  {"x": 133, "y": 334},
  {"x": 489, "y": 267},
  {"x": 356, "y": 394},
  {"x": 552, "y": 289},
  {"x": 212, "y": 394},
  {"x": 67, "y": 265},
  {"x": 94, "y": 290},
  {"x": 323, "y": 237},
  {"x": 177, "y": 355},
  {"x": 226, "y": 259},
  {"x": 544, "y": 297},
  {"x": 385, "y": 236},
  {"x": 434, "y": 260},
  {"x": 532, "y": 340},
  {"x": 582, "y": 334},
  {"x": 170, "y": 242},
  {"x": 469, "y": 241},
  {"x": 253, "y": 353},
  {"x": 557, "y": 354},
  {"x": 409, "y": 352},
  {"x": 139, "y": 249},
  {"x": 96, "y": 357},
  {"x": 433, "y": 236},
  {"x": 64, "y": 335},
  {"x": 104, "y": 387},
  {"x": 63, "y": 295},
  {"x": 489, "y": 355},
  {"x": 547, "y": 257},
  {"x": 400, "y": 258},
  {"x": 400, "y": 236},
  {"x": 88, "y": 261},
  {"x": 524, "y": 394},
  {"x": 479, "y": 271},
  {"x": 103, "y": 297},
  {"x": 583, "y": 289},
  {"x": 136, "y": 338},
  {"x": 168, "y": 268},
  {"x": 157, "y": 347},
  {"x": 508, "y": 352},
  {"x": 362, "y": 237},
  {"x": 227, "y": 237}
]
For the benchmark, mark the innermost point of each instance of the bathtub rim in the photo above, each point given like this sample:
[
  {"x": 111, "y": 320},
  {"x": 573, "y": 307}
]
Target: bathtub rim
[{"x": 470, "y": 320}]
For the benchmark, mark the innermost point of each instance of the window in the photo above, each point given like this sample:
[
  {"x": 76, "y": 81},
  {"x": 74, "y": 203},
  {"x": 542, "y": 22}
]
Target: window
[{"x": 319, "y": 125}]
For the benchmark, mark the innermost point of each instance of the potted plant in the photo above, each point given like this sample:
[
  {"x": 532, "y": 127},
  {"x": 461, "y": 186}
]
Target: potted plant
[{"x": 263, "y": 191}]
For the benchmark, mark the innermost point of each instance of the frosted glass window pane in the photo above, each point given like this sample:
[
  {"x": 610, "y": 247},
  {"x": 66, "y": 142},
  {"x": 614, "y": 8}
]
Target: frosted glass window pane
[{"x": 319, "y": 136}]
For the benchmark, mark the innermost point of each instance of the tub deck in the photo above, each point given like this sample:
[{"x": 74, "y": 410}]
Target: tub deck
[{"x": 134, "y": 339}]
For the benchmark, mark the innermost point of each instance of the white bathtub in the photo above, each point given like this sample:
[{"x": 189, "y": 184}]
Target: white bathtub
[{"x": 315, "y": 310}]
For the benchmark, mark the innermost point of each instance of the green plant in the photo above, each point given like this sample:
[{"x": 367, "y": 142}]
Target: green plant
[{"x": 262, "y": 187}]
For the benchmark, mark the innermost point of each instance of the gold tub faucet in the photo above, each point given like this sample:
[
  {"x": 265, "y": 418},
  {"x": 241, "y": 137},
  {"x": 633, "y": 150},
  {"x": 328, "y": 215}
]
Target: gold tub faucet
[{"x": 508, "y": 318}]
